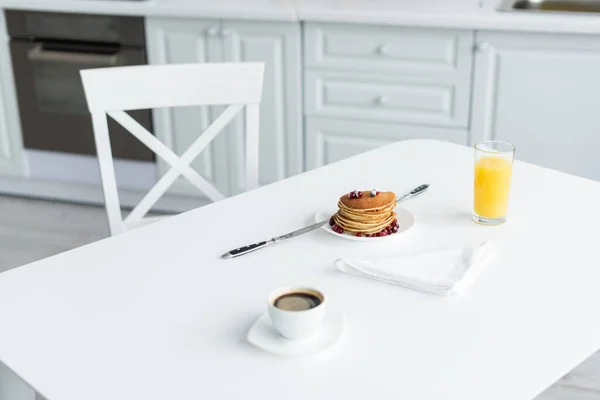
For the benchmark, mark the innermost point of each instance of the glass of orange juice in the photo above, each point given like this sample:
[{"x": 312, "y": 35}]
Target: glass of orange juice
[{"x": 493, "y": 171}]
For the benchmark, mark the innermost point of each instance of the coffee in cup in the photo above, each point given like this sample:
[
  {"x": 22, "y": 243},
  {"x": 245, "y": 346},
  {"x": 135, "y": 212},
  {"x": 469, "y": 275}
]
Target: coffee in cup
[
  {"x": 296, "y": 313},
  {"x": 297, "y": 301}
]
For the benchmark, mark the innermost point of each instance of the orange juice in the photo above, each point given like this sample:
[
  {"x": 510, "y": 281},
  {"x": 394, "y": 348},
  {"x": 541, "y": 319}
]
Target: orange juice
[{"x": 492, "y": 186}]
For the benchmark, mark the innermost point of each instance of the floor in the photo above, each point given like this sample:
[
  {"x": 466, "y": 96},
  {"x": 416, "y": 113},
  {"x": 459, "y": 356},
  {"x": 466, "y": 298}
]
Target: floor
[{"x": 33, "y": 229}]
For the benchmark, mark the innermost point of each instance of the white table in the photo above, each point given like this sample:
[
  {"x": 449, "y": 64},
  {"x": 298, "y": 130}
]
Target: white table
[{"x": 155, "y": 314}]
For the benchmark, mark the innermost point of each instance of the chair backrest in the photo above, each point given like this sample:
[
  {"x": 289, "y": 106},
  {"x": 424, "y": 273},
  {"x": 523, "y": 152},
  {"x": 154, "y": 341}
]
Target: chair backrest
[{"x": 112, "y": 91}]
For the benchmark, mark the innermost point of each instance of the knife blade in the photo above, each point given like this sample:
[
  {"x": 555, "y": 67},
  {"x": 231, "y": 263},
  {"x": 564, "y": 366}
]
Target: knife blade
[{"x": 256, "y": 246}]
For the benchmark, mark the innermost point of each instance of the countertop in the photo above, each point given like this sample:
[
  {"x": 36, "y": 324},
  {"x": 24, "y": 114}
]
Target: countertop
[
  {"x": 235, "y": 9},
  {"x": 444, "y": 14},
  {"x": 464, "y": 14}
]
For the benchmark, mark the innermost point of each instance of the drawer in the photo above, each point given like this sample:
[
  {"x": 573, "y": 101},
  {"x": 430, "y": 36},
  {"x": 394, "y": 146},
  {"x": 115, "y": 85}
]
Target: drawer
[
  {"x": 385, "y": 48},
  {"x": 329, "y": 140},
  {"x": 381, "y": 98}
]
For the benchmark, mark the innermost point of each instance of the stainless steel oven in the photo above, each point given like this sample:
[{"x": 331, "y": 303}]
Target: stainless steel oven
[{"x": 48, "y": 51}]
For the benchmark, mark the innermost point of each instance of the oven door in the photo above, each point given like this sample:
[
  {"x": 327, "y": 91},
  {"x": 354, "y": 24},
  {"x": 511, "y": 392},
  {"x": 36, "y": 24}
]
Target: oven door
[{"x": 52, "y": 105}]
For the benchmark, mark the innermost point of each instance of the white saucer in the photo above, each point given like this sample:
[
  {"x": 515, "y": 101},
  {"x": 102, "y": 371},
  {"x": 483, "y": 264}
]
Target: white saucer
[
  {"x": 264, "y": 336},
  {"x": 405, "y": 220}
]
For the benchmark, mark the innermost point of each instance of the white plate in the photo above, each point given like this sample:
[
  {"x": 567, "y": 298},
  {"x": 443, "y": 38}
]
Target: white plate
[
  {"x": 405, "y": 220},
  {"x": 265, "y": 337}
]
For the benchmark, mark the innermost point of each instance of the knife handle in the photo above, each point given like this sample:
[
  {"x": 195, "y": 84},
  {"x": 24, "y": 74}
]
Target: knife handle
[{"x": 244, "y": 250}]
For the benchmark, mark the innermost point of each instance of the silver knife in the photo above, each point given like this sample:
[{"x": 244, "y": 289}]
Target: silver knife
[{"x": 252, "y": 247}]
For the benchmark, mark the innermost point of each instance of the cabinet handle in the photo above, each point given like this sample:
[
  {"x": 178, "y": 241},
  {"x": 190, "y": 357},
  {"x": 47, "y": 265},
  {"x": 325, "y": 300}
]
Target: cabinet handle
[
  {"x": 381, "y": 100},
  {"x": 383, "y": 50},
  {"x": 225, "y": 33},
  {"x": 214, "y": 31},
  {"x": 480, "y": 47}
]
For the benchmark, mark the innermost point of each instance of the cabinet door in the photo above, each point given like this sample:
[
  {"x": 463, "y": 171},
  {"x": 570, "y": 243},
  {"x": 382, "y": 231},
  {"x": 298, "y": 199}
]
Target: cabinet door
[
  {"x": 540, "y": 92},
  {"x": 330, "y": 140},
  {"x": 281, "y": 145},
  {"x": 175, "y": 41}
]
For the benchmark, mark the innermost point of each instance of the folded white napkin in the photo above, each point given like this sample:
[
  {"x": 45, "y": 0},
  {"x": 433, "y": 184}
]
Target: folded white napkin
[{"x": 444, "y": 272}]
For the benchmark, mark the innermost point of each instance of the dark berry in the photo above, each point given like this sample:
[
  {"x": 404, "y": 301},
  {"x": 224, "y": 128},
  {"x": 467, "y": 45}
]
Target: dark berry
[
  {"x": 378, "y": 234},
  {"x": 395, "y": 229},
  {"x": 331, "y": 222},
  {"x": 384, "y": 233},
  {"x": 340, "y": 229},
  {"x": 358, "y": 234},
  {"x": 377, "y": 192},
  {"x": 367, "y": 235},
  {"x": 388, "y": 230},
  {"x": 395, "y": 222},
  {"x": 334, "y": 227},
  {"x": 359, "y": 194}
]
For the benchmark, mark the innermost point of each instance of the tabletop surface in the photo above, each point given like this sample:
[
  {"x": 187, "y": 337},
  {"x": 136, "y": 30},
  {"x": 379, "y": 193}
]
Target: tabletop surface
[{"x": 155, "y": 314}]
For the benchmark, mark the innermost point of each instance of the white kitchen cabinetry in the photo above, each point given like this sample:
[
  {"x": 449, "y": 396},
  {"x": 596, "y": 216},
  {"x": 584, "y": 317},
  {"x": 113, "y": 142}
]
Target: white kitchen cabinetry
[
  {"x": 540, "y": 92},
  {"x": 445, "y": 53},
  {"x": 388, "y": 74},
  {"x": 395, "y": 98},
  {"x": 331, "y": 140},
  {"x": 176, "y": 41},
  {"x": 366, "y": 86},
  {"x": 276, "y": 44}
]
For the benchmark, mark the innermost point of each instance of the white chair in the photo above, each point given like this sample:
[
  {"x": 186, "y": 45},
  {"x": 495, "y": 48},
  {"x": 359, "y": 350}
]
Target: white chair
[{"x": 115, "y": 90}]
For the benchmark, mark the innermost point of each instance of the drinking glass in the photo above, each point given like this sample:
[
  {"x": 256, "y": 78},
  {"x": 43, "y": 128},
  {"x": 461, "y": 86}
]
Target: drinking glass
[{"x": 493, "y": 171}]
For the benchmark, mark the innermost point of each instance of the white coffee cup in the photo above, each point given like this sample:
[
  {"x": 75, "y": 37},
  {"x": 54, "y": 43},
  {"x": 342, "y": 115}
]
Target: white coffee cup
[{"x": 293, "y": 323}]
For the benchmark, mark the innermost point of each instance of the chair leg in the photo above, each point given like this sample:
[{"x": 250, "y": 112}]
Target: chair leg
[
  {"x": 107, "y": 174},
  {"x": 252, "y": 146}
]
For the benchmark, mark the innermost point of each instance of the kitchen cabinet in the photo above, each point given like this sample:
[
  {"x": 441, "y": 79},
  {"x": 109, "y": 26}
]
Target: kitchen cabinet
[
  {"x": 539, "y": 91},
  {"x": 393, "y": 74},
  {"x": 178, "y": 41},
  {"x": 367, "y": 86},
  {"x": 394, "y": 98},
  {"x": 329, "y": 140},
  {"x": 276, "y": 44},
  {"x": 281, "y": 130},
  {"x": 414, "y": 51}
]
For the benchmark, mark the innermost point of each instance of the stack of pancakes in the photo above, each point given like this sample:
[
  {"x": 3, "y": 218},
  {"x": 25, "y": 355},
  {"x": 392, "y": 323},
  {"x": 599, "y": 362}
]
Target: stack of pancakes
[{"x": 366, "y": 215}]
